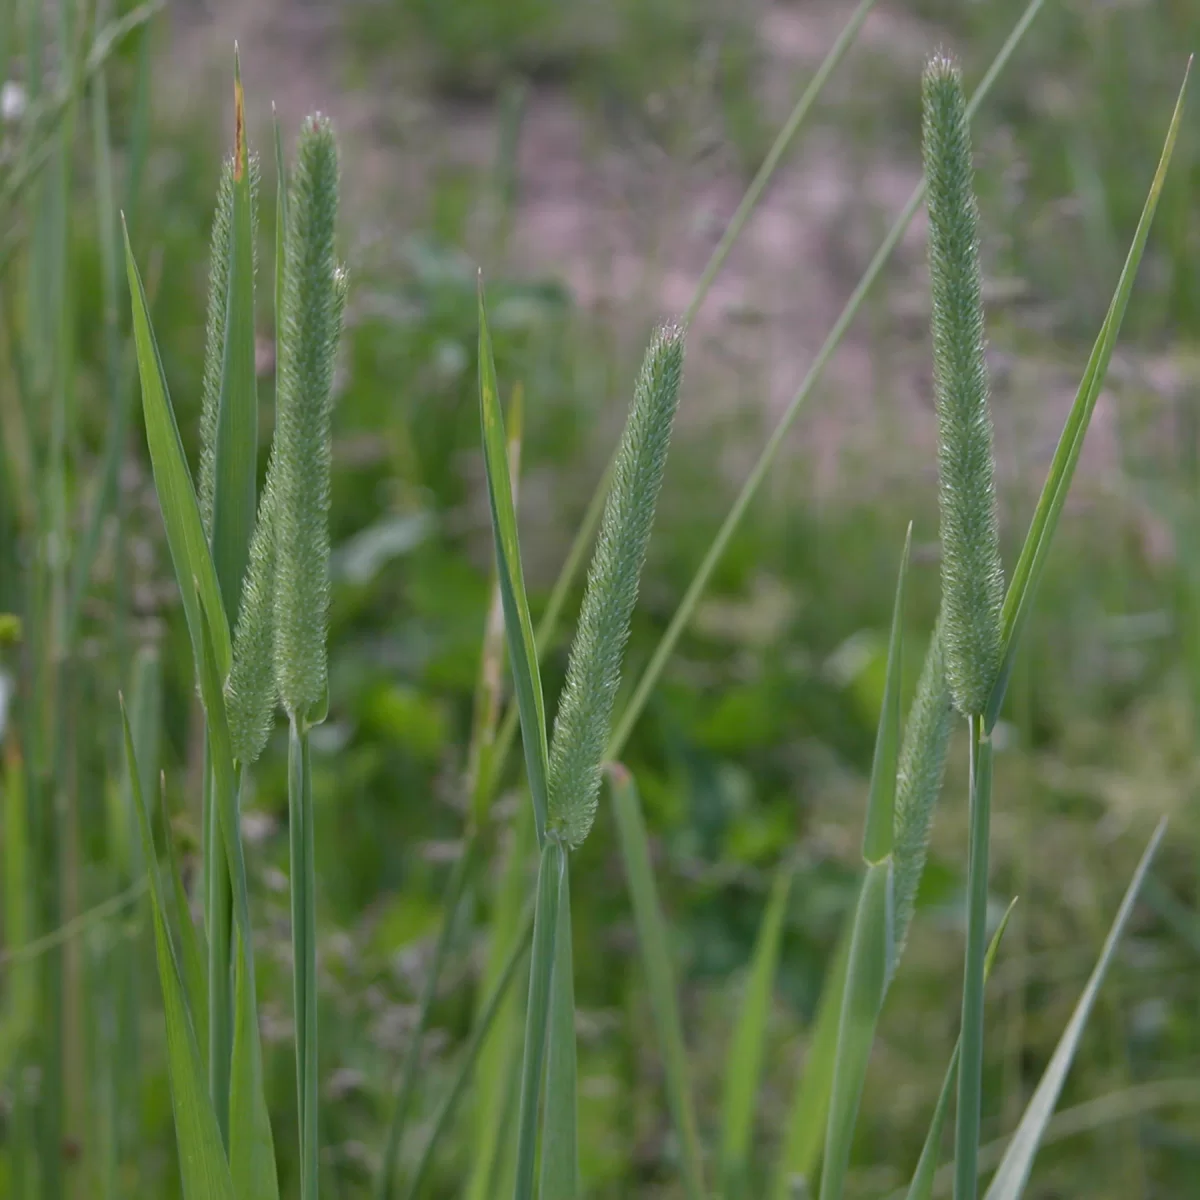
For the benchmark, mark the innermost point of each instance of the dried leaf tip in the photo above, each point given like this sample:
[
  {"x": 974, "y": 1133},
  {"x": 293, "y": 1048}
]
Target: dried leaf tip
[{"x": 239, "y": 119}]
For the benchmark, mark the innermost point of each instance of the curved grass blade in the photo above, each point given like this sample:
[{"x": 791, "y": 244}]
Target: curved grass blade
[
  {"x": 1013, "y": 1173},
  {"x": 194, "y": 570},
  {"x": 560, "y": 1132},
  {"x": 743, "y": 1065},
  {"x": 202, "y": 1164},
  {"x": 522, "y": 651},
  {"x": 1018, "y": 603},
  {"x": 537, "y": 1012},
  {"x": 805, "y": 1137},
  {"x": 921, "y": 1187},
  {"x": 656, "y": 961}
]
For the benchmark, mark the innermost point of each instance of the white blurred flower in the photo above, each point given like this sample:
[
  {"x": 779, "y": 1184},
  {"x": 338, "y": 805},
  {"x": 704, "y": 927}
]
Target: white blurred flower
[{"x": 12, "y": 101}]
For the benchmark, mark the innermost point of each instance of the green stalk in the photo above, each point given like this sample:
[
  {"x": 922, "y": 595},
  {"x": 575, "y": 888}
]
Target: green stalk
[
  {"x": 304, "y": 974},
  {"x": 970, "y": 1067},
  {"x": 537, "y": 1012}
]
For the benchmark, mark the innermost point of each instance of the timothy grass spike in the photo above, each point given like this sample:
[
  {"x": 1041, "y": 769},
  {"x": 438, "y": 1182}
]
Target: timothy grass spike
[
  {"x": 251, "y": 691},
  {"x": 972, "y": 577},
  {"x": 313, "y": 299},
  {"x": 593, "y": 672},
  {"x": 919, "y": 781}
]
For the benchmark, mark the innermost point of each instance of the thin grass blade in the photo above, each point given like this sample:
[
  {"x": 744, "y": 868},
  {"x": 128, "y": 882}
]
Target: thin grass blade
[
  {"x": 921, "y": 1187},
  {"x": 202, "y": 1164},
  {"x": 194, "y": 569},
  {"x": 1018, "y": 603},
  {"x": 192, "y": 950},
  {"x": 743, "y": 1065},
  {"x": 656, "y": 951},
  {"x": 1013, "y": 1173},
  {"x": 522, "y": 651},
  {"x": 866, "y": 977},
  {"x": 881, "y": 803}
]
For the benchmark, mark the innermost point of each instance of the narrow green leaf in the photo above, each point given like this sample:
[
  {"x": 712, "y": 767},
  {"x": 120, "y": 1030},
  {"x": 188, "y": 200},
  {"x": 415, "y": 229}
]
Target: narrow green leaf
[
  {"x": 203, "y": 1167},
  {"x": 921, "y": 1187},
  {"x": 518, "y": 626},
  {"x": 743, "y": 1064},
  {"x": 194, "y": 570},
  {"x": 1013, "y": 1173},
  {"x": 656, "y": 951},
  {"x": 1018, "y": 603},
  {"x": 537, "y": 1011},
  {"x": 560, "y": 1132},
  {"x": 866, "y": 977},
  {"x": 881, "y": 804}
]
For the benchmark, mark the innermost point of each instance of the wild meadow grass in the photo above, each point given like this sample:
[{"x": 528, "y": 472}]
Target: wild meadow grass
[{"x": 252, "y": 570}]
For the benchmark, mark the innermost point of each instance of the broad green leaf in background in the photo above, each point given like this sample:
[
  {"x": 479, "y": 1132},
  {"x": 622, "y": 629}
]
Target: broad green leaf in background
[
  {"x": 518, "y": 626},
  {"x": 743, "y": 1065},
  {"x": 656, "y": 962},
  {"x": 203, "y": 1168}
]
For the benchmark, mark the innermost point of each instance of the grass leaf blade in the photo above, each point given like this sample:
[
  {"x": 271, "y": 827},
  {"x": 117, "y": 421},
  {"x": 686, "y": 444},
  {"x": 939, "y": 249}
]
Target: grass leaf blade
[
  {"x": 1011, "y": 1176},
  {"x": 1018, "y": 603},
  {"x": 190, "y": 555},
  {"x": 743, "y": 1065},
  {"x": 202, "y": 1163},
  {"x": 518, "y": 626}
]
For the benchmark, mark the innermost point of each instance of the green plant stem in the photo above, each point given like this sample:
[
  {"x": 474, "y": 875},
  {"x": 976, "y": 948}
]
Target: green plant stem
[
  {"x": 451, "y": 900},
  {"x": 304, "y": 948},
  {"x": 537, "y": 1012},
  {"x": 970, "y": 1067},
  {"x": 218, "y": 908}
]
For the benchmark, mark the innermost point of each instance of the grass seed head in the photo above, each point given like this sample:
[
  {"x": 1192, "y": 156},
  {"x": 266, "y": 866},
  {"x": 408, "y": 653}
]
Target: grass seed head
[
  {"x": 313, "y": 301},
  {"x": 584, "y": 718},
  {"x": 972, "y": 577}
]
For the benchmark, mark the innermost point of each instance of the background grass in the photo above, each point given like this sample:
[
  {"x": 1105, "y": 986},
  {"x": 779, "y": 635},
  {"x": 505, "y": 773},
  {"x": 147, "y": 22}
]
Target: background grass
[{"x": 758, "y": 741}]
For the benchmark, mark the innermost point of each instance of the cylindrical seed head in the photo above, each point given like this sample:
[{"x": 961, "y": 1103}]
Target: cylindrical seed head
[
  {"x": 313, "y": 298},
  {"x": 972, "y": 577},
  {"x": 584, "y": 718}
]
